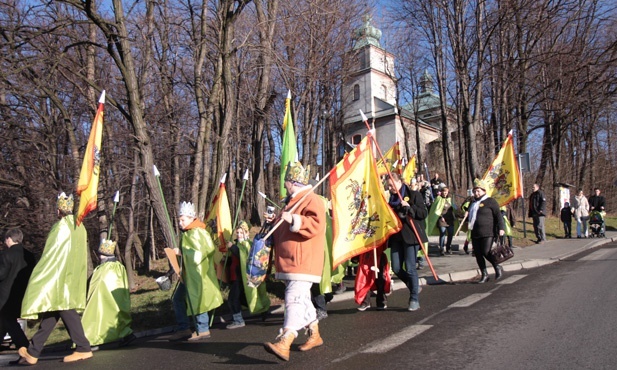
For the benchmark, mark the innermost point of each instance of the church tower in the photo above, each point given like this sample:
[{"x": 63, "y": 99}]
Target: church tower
[{"x": 372, "y": 83}]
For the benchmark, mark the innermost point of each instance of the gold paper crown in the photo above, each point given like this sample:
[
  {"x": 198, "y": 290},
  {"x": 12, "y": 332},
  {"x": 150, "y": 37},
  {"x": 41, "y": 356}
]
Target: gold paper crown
[
  {"x": 107, "y": 247},
  {"x": 187, "y": 209},
  {"x": 244, "y": 226},
  {"x": 477, "y": 183},
  {"x": 65, "y": 204},
  {"x": 296, "y": 173}
]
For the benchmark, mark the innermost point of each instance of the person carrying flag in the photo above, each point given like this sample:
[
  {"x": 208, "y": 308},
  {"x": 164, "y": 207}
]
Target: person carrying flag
[
  {"x": 404, "y": 245},
  {"x": 299, "y": 259}
]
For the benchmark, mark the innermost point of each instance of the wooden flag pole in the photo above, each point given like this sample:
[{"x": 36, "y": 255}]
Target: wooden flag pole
[{"x": 365, "y": 119}]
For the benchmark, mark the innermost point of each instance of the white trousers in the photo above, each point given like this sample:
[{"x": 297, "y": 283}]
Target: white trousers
[{"x": 299, "y": 309}]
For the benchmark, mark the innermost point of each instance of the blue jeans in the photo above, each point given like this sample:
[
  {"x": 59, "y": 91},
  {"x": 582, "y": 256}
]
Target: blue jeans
[
  {"x": 180, "y": 307},
  {"x": 401, "y": 252},
  {"x": 449, "y": 230}
]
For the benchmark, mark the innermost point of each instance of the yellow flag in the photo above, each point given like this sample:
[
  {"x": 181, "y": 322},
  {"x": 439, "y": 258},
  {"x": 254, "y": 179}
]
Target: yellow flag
[
  {"x": 88, "y": 184},
  {"x": 410, "y": 169},
  {"x": 392, "y": 158},
  {"x": 218, "y": 221},
  {"x": 361, "y": 217},
  {"x": 503, "y": 176}
]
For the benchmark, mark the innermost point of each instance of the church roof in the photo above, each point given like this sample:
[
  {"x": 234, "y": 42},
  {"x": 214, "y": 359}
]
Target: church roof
[{"x": 425, "y": 101}]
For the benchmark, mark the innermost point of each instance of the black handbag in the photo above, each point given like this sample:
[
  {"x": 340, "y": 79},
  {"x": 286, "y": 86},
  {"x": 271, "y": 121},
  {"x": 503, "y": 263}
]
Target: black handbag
[{"x": 501, "y": 252}]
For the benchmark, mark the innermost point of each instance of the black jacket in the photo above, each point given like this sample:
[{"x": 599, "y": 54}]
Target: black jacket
[
  {"x": 537, "y": 204},
  {"x": 488, "y": 220},
  {"x": 416, "y": 211},
  {"x": 16, "y": 264},
  {"x": 597, "y": 203}
]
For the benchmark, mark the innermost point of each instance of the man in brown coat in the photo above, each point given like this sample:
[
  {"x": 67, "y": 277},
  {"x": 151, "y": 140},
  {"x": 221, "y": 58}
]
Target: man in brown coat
[{"x": 299, "y": 258}]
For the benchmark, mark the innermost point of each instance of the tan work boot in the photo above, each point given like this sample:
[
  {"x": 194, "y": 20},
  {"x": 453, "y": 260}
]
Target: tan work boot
[
  {"x": 77, "y": 356},
  {"x": 28, "y": 358},
  {"x": 281, "y": 345},
  {"x": 314, "y": 339}
]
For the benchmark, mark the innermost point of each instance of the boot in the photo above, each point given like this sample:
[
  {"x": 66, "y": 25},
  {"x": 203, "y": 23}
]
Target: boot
[
  {"x": 314, "y": 339},
  {"x": 466, "y": 247},
  {"x": 484, "y": 277},
  {"x": 498, "y": 272},
  {"x": 281, "y": 344}
]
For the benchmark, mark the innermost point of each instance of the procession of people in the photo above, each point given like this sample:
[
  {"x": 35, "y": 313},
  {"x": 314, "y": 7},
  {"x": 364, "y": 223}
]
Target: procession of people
[{"x": 302, "y": 260}]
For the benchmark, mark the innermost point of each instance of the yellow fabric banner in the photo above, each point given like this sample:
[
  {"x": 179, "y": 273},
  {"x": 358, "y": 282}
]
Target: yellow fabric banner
[
  {"x": 218, "y": 222},
  {"x": 88, "y": 184},
  {"x": 410, "y": 169},
  {"x": 391, "y": 157},
  {"x": 361, "y": 217},
  {"x": 503, "y": 176}
]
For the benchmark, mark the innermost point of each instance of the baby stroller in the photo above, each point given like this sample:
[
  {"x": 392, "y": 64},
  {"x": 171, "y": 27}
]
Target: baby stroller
[{"x": 596, "y": 224}]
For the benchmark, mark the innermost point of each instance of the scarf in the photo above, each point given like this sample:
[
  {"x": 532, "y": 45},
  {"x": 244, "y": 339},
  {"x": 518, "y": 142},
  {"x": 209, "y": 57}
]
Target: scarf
[{"x": 473, "y": 210}]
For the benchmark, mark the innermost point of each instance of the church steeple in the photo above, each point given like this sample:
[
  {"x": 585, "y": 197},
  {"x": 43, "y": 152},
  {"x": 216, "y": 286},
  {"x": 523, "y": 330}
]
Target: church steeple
[
  {"x": 367, "y": 34},
  {"x": 426, "y": 83}
]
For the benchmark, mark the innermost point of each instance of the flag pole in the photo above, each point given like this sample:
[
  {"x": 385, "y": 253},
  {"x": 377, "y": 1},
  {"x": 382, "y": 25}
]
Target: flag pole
[
  {"x": 113, "y": 213},
  {"x": 244, "y": 180},
  {"x": 295, "y": 206},
  {"x": 268, "y": 199},
  {"x": 157, "y": 174},
  {"x": 365, "y": 119},
  {"x": 460, "y": 225}
]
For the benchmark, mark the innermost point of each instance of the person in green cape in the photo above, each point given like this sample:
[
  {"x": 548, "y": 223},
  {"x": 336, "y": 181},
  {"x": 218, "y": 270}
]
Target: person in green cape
[
  {"x": 199, "y": 291},
  {"x": 62, "y": 268},
  {"x": 441, "y": 220},
  {"x": 257, "y": 299},
  {"x": 107, "y": 317}
]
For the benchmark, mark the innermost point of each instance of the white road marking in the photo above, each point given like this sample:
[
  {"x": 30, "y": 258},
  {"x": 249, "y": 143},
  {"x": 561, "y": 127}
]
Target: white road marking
[
  {"x": 511, "y": 279},
  {"x": 598, "y": 255},
  {"x": 466, "y": 302},
  {"x": 396, "y": 339}
]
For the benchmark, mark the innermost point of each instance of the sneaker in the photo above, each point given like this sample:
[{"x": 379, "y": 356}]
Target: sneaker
[
  {"x": 448, "y": 252},
  {"x": 235, "y": 325},
  {"x": 413, "y": 306},
  {"x": 180, "y": 335},
  {"x": 382, "y": 308},
  {"x": 321, "y": 315},
  {"x": 201, "y": 336},
  {"x": 364, "y": 306}
]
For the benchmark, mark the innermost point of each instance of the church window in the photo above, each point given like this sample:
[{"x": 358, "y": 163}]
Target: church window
[{"x": 356, "y": 92}]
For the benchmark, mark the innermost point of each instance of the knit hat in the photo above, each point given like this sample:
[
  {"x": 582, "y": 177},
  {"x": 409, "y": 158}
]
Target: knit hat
[
  {"x": 296, "y": 173},
  {"x": 107, "y": 247},
  {"x": 187, "y": 209},
  {"x": 65, "y": 204},
  {"x": 477, "y": 183}
]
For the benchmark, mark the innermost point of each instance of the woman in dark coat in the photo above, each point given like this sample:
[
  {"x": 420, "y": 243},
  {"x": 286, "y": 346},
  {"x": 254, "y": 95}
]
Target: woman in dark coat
[
  {"x": 404, "y": 245},
  {"x": 486, "y": 224}
]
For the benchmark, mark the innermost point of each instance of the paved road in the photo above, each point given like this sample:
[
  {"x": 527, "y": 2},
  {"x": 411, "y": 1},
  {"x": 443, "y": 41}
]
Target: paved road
[{"x": 555, "y": 317}]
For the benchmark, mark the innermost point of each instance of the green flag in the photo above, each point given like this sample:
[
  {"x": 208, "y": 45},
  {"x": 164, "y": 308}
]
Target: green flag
[{"x": 289, "y": 149}]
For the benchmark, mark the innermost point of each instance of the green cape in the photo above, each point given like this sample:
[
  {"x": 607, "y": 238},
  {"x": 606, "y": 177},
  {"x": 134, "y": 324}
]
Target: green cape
[
  {"x": 435, "y": 212},
  {"x": 325, "y": 285},
  {"x": 107, "y": 316},
  {"x": 256, "y": 298},
  {"x": 58, "y": 281},
  {"x": 198, "y": 271}
]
